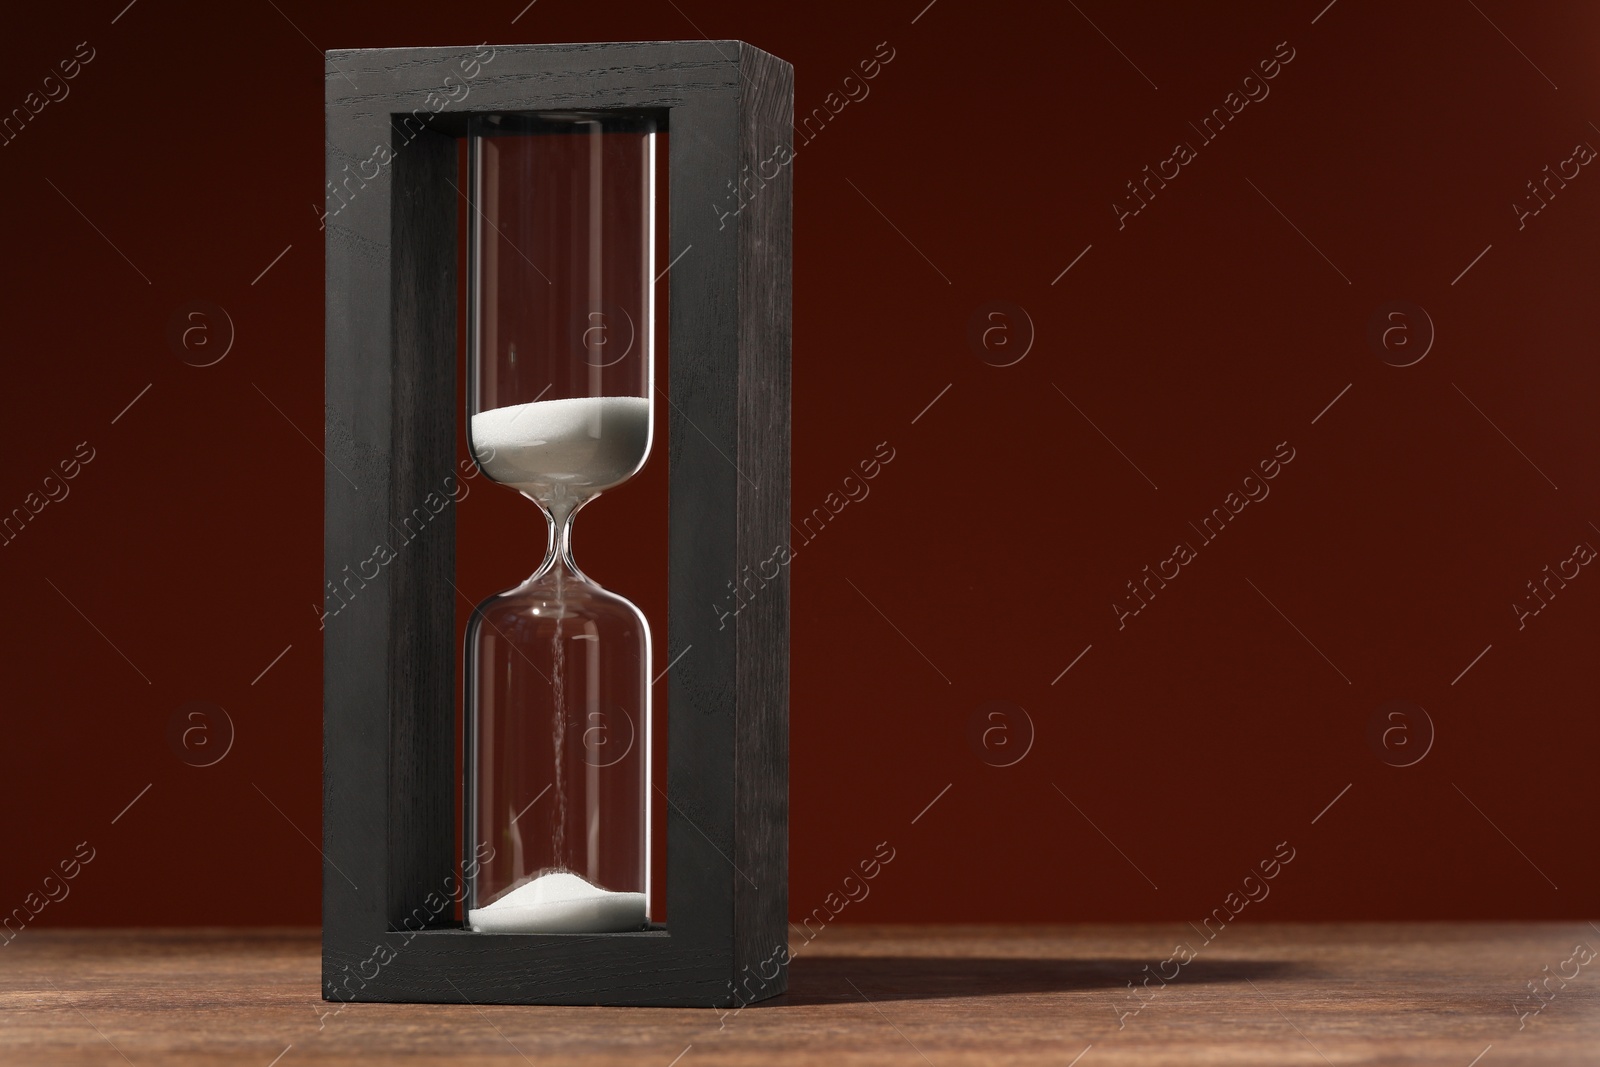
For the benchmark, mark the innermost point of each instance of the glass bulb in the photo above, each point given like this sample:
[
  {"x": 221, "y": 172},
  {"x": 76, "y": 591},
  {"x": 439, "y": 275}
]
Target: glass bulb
[{"x": 560, "y": 409}]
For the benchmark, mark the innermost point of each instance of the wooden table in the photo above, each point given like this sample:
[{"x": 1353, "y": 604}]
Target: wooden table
[{"x": 1270, "y": 994}]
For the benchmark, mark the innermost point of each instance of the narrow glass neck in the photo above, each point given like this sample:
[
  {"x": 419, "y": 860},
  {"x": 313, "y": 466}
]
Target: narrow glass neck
[{"x": 559, "y": 516}]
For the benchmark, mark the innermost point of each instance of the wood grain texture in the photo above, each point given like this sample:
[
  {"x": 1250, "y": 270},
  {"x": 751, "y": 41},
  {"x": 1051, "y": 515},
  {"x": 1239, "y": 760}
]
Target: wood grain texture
[
  {"x": 388, "y": 831},
  {"x": 761, "y": 784},
  {"x": 1269, "y": 994},
  {"x": 422, "y": 735}
]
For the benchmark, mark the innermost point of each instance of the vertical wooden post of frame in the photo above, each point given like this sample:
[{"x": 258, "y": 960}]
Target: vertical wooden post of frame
[{"x": 389, "y": 789}]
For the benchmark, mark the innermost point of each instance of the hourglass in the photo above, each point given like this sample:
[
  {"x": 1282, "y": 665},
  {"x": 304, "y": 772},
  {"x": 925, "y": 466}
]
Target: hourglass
[
  {"x": 558, "y": 669},
  {"x": 504, "y": 855}
]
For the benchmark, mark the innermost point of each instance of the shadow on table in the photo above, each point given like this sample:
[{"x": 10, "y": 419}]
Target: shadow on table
[{"x": 829, "y": 980}]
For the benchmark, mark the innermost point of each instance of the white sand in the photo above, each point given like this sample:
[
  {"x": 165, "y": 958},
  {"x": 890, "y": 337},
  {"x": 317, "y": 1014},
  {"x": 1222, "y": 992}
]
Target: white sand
[
  {"x": 576, "y": 447},
  {"x": 562, "y": 451},
  {"x": 559, "y": 903}
]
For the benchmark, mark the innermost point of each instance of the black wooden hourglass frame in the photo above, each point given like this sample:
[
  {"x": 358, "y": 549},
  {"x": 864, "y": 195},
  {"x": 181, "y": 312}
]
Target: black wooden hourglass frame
[{"x": 395, "y": 852}]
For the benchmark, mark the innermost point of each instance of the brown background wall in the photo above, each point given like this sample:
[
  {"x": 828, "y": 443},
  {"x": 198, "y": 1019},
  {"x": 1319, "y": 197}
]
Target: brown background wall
[{"x": 1179, "y": 350}]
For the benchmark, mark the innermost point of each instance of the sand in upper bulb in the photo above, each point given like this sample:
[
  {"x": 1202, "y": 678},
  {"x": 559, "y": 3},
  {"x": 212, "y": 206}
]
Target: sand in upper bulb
[{"x": 576, "y": 447}]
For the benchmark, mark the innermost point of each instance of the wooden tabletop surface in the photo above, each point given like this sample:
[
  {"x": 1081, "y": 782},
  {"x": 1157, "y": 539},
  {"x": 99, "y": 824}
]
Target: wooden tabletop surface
[{"x": 1454, "y": 994}]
